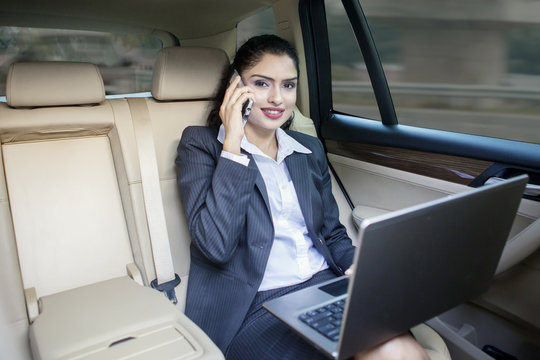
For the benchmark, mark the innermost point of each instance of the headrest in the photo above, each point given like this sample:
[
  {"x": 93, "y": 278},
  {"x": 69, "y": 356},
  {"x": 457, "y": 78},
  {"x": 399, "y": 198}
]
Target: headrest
[
  {"x": 53, "y": 83},
  {"x": 188, "y": 73}
]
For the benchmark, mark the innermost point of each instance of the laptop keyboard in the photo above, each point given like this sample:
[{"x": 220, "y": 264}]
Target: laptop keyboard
[{"x": 326, "y": 319}]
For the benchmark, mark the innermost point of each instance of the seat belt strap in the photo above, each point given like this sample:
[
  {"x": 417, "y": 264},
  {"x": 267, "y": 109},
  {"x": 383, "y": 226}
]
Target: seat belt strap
[{"x": 166, "y": 279}]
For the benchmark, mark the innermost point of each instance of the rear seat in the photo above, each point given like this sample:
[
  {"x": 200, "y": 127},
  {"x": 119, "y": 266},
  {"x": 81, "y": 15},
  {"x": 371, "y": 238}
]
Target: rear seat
[
  {"x": 65, "y": 201},
  {"x": 74, "y": 226}
]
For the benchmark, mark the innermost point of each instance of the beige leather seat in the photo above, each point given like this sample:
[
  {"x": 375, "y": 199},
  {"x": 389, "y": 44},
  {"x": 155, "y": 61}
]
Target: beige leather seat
[
  {"x": 64, "y": 195},
  {"x": 184, "y": 81},
  {"x": 74, "y": 225}
]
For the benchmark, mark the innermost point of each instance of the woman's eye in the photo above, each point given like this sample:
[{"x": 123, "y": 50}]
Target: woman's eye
[
  {"x": 260, "y": 83},
  {"x": 290, "y": 85}
]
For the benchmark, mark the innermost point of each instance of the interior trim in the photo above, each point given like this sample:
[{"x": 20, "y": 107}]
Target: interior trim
[
  {"x": 355, "y": 129},
  {"x": 444, "y": 167},
  {"x": 373, "y": 63}
]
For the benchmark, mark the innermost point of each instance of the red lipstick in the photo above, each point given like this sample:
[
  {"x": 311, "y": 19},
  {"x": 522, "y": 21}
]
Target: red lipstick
[{"x": 273, "y": 112}]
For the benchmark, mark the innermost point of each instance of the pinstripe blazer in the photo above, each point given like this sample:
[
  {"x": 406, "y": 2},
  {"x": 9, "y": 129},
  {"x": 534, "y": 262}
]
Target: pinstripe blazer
[{"x": 228, "y": 216}]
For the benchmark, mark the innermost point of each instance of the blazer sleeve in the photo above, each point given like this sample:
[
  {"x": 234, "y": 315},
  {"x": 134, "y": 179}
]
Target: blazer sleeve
[
  {"x": 333, "y": 232},
  {"x": 215, "y": 193}
]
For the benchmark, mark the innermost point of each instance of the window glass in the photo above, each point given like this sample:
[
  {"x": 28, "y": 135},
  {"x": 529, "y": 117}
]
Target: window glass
[
  {"x": 352, "y": 92},
  {"x": 125, "y": 61},
  {"x": 470, "y": 68},
  {"x": 463, "y": 72},
  {"x": 261, "y": 23}
]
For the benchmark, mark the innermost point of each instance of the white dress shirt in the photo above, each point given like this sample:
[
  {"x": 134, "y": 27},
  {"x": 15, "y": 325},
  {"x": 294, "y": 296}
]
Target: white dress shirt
[{"x": 293, "y": 258}]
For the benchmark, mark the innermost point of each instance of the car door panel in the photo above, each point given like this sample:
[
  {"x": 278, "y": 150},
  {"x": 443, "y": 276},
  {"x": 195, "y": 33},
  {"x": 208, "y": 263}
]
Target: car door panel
[
  {"x": 389, "y": 178},
  {"x": 445, "y": 167},
  {"x": 384, "y": 165}
]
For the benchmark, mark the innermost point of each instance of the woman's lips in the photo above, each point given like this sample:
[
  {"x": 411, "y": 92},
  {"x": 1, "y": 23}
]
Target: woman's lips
[{"x": 273, "y": 113}]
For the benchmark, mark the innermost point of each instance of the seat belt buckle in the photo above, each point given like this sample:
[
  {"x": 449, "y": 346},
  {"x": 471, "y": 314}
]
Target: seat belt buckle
[{"x": 168, "y": 288}]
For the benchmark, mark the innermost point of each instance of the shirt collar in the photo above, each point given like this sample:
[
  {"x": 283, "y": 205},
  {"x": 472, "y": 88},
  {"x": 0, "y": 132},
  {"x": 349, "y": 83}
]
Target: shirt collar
[{"x": 286, "y": 145}]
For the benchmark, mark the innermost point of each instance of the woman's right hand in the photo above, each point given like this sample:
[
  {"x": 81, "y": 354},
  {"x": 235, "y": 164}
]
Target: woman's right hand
[{"x": 230, "y": 113}]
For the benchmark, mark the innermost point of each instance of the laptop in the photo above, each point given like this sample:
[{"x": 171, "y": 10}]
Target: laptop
[{"x": 411, "y": 265}]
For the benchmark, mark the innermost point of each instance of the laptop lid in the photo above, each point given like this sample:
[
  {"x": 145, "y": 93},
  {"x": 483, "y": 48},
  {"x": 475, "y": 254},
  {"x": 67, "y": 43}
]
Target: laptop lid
[
  {"x": 415, "y": 263},
  {"x": 442, "y": 253}
]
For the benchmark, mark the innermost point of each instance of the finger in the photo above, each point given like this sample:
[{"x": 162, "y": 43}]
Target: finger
[
  {"x": 227, "y": 96},
  {"x": 234, "y": 108},
  {"x": 232, "y": 111},
  {"x": 245, "y": 96},
  {"x": 236, "y": 100},
  {"x": 231, "y": 88},
  {"x": 237, "y": 93},
  {"x": 232, "y": 96}
]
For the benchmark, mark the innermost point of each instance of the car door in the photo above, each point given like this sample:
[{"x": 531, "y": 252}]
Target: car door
[{"x": 418, "y": 100}]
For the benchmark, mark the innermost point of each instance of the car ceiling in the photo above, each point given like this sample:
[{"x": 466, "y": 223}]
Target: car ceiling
[{"x": 186, "y": 19}]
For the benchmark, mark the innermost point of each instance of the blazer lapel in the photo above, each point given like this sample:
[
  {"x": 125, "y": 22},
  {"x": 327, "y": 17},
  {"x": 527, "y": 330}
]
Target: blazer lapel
[
  {"x": 259, "y": 183},
  {"x": 298, "y": 169}
]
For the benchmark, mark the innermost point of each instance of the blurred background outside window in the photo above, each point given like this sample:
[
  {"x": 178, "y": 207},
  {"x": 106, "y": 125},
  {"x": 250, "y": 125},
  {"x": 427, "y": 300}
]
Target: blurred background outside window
[
  {"x": 463, "y": 66},
  {"x": 125, "y": 61}
]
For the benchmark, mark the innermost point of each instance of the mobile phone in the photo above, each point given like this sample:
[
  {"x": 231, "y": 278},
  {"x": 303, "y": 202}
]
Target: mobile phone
[{"x": 246, "y": 107}]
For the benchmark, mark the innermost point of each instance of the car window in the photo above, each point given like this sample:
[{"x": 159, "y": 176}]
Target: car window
[
  {"x": 261, "y": 23},
  {"x": 352, "y": 92},
  {"x": 464, "y": 69},
  {"x": 125, "y": 61}
]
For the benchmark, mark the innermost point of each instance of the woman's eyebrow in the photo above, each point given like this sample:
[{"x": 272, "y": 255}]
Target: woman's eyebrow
[{"x": 269, "y": 78}]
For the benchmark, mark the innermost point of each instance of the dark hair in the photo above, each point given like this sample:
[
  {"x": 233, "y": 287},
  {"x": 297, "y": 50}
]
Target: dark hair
[{"x": 247, "y": 56}]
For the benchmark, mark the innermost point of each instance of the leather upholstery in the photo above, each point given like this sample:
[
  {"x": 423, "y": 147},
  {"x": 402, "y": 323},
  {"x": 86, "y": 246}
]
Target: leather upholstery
[
  {"x": 63, "y": 190},
  {"x": 187, "y": 73},
  {"x": 51, "y": 83},
  {"x": 75, "y": 218}
]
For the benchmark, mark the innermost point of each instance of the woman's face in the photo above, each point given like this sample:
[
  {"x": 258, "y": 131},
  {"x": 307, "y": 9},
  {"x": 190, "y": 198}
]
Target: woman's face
[{"x": 273, "y": 81}]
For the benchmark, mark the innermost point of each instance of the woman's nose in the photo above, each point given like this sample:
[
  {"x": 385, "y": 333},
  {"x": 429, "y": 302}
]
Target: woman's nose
[{"x": 274, "y": 96}]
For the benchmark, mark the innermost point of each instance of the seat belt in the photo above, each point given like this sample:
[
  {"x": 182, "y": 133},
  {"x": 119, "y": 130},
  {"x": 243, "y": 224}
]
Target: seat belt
[{"x": 166, "y": 279}]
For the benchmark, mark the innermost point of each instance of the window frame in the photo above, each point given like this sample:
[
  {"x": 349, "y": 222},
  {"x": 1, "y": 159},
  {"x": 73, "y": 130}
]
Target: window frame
[
  {"x": 314, "y": 25},
  {"x": 333, "y": 125}
]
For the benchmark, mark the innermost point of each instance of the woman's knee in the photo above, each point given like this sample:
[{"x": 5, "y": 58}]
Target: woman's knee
[{"x": 400, "y": 347}]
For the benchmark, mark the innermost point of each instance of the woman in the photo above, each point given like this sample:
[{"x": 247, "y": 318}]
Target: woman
[{"x": 260, "y": 211}]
